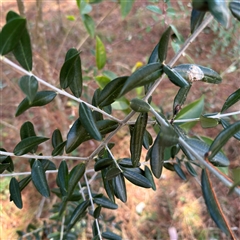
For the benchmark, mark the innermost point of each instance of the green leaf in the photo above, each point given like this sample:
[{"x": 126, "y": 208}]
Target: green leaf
[
  {"x": 234, "y": 7},
  {"x": 154, "y": 9},
  {"x": 136, "y": 140},
  {"x": 119, "y": 187},
  {"x": 190, "y": 168},
  {"x": 102, "y": 81},
  {"x": 27, "y": 144},
  {"x": 15, "y": 193},
  {"x": 142, "y": 76},
  {"x": 29, "y": 86},
  {"x": 112, "y": 173},
  {"x": 105, "y": 202},
  {"x": 6, "y": 160},
  {"x": 154, "y": 55},
  {"x": 24, "y": 182},
  {"x": 78, "y": 134},
  {"x": 108, "y": 185},
  {"x": 74, "y": 177},
  {"x": 126, "y": 6},
  {"x": 126, "y": 162},
  {"x": 102, "y": 163},
  {"x": 202, "y": 148},
  {"x": 89, "y": 24},
  {"x": 147, "y": 139},
  {"x": 70, "y": 69},
  {"x": 42, "y": 98},
  {"x": 196, "y": 19},
  {"x": 111, "y": 91},
  {"x": 220, "y": 11},
  {"x": 139, "y": 105},
  {"x": 231, "y": 100},
  {"x": 27, "y": 130},
  {"x": 11, "y": 34},
  {"x": 136, "y": 178},
  {"x": 101, "y": 56},
  {"x": 163, "y": 44},
  {"x": 59, "y": 149},
  {"x": 149, "y": 176},
  {"x": 39, "y": 179},
  {"x": 111, "y": 236},
  {"x": 208, "y": 122},
  {"x": 4, "y": 166},
  {"x": 62, "y": 178},
  {"x": 179, "y": 171},
  {"x": 78, "y": 213},
  {"x": 22, "y": 51},
  {"x": 222, "y": 138},
  {"x": 97, "y": 212},
  {"x": 84, "y": 7},
  {"x": 226, "y": 124},
  {"x": 88, "y": 121},
  {"x": 56, "y": 138},
  {"x": 212, "y": 203}
]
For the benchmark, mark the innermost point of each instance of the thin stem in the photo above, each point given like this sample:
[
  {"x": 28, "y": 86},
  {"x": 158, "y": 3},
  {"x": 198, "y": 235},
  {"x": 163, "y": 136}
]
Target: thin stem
[
  {"x": 62, "y": 228},
  {"x": 208, "y": 166},
  {"x": 60, "y": 91},
  {"x": 92, "y": 205},
  {"x": 110, "y": 153},
  {"x": 31, "y": 233}
]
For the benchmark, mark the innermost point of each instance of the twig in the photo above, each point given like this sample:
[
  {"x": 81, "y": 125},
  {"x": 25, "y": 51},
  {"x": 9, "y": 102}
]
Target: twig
[{"x": 62, "y": 228}]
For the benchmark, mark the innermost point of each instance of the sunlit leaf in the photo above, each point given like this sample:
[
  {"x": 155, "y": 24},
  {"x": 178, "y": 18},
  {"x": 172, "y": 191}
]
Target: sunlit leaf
[
  {"x": 126, "y": 7},
  {"x": 89, "y": 24},
  {"x": 101, "y": 56}
]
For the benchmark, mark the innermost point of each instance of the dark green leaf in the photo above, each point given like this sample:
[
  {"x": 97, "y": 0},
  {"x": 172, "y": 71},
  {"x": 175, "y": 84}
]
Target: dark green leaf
[
  {"x": 212, "y": 203},
  {"x": 149, "y": 176},
  {"x": 39, "y": 179},
  {"x": 234, "y": 7},
  {"x": 163, "y": 44},
  {"x": 27, "y": 144},
  {"x": 42, "y": 98},
  {"x": 126, "y": 162},
  {"x": 78, "y": 213},
  {"x": 97, "y": 212},
  {"x": 154, "y": 55},
  {"x": 102, "y": 163},
  {"x": 119, "y": 187},
  {"x": 147, "y": 139},
  {"x": 190, "y": 168},
  {"x": 179, "y": 171},
  {"x": 142, "y": 76},
  {"x": 226, "y": 124},
  {"x": 136, "y": 140},
  {"x": 24, "y": 182},
  {"x": 139, "y": 105},
  {"x": 111, "y": 91},
  {"x": 6, "y": 160},
  {"x": 4, "y": 166},
  {"x": 196, "y": 19},
  {"x": 105, "y": 202},
  {"x": 11, "y": 34},
  {"x": 88, "y": 121},
  {"x": 48, "y": 165},
  {"x": 74, "y": 177},
  {"x": 108, "y": 186},
  {"x": 29, "y": 86},
  {"x": 222, "y": 138},
  {"x": 137, "y": 179},
  {"x": 70, "y": 70},
  {"x": 112, "y": 172},
  {"x": 89, "y": 24},
  {"x": 27, "y": 130},
  {"x": 62, "y": 178},
  {"x": 59, "y": 149},
  {"x": 126, "y": 7},
  {"x": 100, "y": 53},
  {"x": 15, "y": 193},
  {"x": 56, "y": 138},
  {"x": 231, "y": 100},
  {"x": 111, "y": 236}
]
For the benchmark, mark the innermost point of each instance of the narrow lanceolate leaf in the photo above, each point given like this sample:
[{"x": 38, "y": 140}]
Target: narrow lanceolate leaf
[
  {"x": 231, "y": 100},
  {"x": 147, "y": 139},
  {"x": 220, "y": 11},
  {"x": 180, "y": 99},
  {"x": 163, "y": 45},
  {"x": 23, "y": 50},
  {"x": 222, "y": 138},
  {"x": 119, "y": 187},
  {"x": 68, "y": 70},
  {"x": 226, "y": 124},
  {"x": 139, "y": 105},
  {"x": 78, "y": 213},
  {"x": 213, "y": 205},
  {"x": 59, "y": 149},
  {"x": 175, "y": 77},
  {"x": 27, "y": 144},
  {"x": 29, "y": 86},
  {"x": 27, "y": 130},
  {"x": 154, "y": 55},
  {"x": 234, "y": 7},
  {"x": 149, "y": 176},
  {"x": 111, "y": 236},
  {"x": 190, "y": 168},
  {"x": 126, "y": 7},
  {"x": 142, "y": 76},
  {"x": 76, "y": 84},
  {"x": 105, "y": 202},
  {"x": 15, "y": 193},
  {"x": 101, "y": 56},
  {"x": 208, "y": 122},
  {"x": 194, "y": 72},
  {"x": 136, "y": 178},
  {"x": 88, "y": 121},
  {"x": 136, "y": 140},
  {"x": 196, "y": 19},
  {"x": 11, "y": 34},
  {"x": 24, "y": 182},
  {"x": 112, "y": 173},
  {"x": 56, "y": 138},
  {"x": 89, "y": 24},
  {"x": 102, "y": 163},
  {"x": 39, "y": 179},
  {"x": 179, "y": 171},
  {"x": 108, "y": 185},
  {"x": 74, "y": 177},
  {"x": 78, "y": 134},
  {"x": 62, "y": 178},
  {"x": 111, "y": 91},
  {"x": 157, "y": 157},
  {"x": 41, "y": 98},
  {"x": 202, "y": 148}
]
